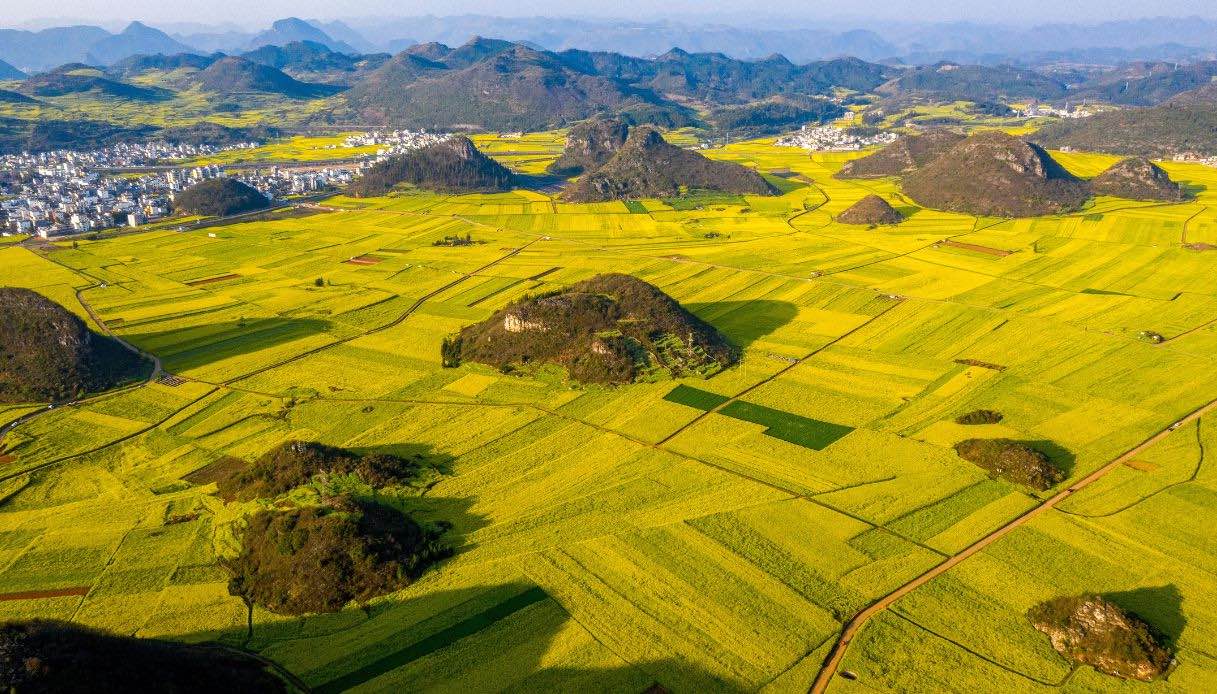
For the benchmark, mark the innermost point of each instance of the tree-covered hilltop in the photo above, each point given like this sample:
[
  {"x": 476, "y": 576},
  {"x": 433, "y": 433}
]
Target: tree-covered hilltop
[
  {"x": 647, "y": 166},
  {"x": 1011, "y": 460},
  {"x": 320, "y": 558},
  {"x": 1160, "y": 132},
  {"x": 612, "y": 328},
  {"x": 903, "y": 156},
  {"x": 219, "y": 197},
  {"x": 42, "y": 656},
  {"x": 1137, "y": 178},
  {"x": 998, "y": 175},
  {"x": 48, "y": 354},
  {"x": 453, "y": 165},
  {"x": 871, "y": 209},
  {"x": 296, "y": 463}
]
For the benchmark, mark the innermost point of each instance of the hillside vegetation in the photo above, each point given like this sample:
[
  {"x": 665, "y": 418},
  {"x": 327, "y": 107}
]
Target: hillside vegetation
[
  {"x": 1011, "y": 460},
  {"x": 998, "y": 175},
  {"x": 1091, "y": 630},
  {"x": 320, "y": 558},
  {"x": 47, "y": 353},
  {"x": 589, "y": 146},
  {"x": 1137, "y": 178},
  {"x": 871, "y": 209},
  {"x": 220, "y": 197},
  {"x": 612, "y": 328},
  {"x": 41, "y": 656},
  {"x": 1159, "y": 133},
  {"x": 647, "y": 166},
  {"x": 296, "y": 463},
  {"x": 903, "y": 156},
  {"x": 454, "y": 165}
]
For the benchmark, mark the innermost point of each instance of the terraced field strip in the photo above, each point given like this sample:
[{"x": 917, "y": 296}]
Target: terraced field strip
[
  {"x": 434, "y": 642},
  {"x": 512, "y": 252},
  {"x": 833, "y": 662},
  {"x": 987, "y": 250},
  {"x": 41, "y": 594},
  {"x": 728, "y": 401},
  {"x": 213, "y": 280}
]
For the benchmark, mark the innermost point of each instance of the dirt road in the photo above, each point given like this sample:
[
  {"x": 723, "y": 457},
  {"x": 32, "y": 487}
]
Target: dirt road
[{"x": 833, "y": 662}]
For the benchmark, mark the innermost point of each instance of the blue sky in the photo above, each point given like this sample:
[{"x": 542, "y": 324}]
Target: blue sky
[{"x": 243, "y": 11}]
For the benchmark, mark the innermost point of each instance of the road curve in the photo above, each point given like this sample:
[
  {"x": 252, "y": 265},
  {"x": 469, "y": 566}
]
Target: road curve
[{"x": 833, "y": 662}]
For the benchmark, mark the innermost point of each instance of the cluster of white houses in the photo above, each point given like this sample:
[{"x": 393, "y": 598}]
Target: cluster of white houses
[
  {"x": 830, "y": 138},
  {"x": 58, "y": 193}
]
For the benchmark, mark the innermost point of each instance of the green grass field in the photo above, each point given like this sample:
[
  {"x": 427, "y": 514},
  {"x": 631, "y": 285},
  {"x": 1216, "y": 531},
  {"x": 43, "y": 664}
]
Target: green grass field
[{"x": 708, "y": 535}]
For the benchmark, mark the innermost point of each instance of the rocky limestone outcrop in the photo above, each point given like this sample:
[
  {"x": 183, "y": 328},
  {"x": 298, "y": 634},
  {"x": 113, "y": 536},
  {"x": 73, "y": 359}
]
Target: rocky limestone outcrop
[
  {"x": 1091, "y": 630},
  {"x": 1137, "y": 178}
]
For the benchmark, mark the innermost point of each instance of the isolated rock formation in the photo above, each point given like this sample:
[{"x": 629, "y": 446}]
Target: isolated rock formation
[
  {"x": 1091, "y": 630},
  {"x": 1137, "y": 178},
  {"x": 998, "y": 175},
  {"x": 608, "y": 329}
]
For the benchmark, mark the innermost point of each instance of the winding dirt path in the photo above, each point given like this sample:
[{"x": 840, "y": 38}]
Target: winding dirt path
[{"x": 833, "y": 662}]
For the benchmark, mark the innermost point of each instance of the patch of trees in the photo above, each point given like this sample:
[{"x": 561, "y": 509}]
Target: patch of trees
[
  {"x": 1091, "y": 630},
  {"x": 1159, "y": 132},
  {"x": 320, "y": 558},
  {"x": 774, "y": 116},
  {"x": 43, "y": 656},
  {"x": 220, "y": 197},
  {"x": 452, "y": 166},
  {"x": 1012, "y": 460},
  {"x": 296, "y": 463},
  {"x": 48, "y": 354},
  {"x": 611, "y": 328},
  {"x": 979, "y": 417}
]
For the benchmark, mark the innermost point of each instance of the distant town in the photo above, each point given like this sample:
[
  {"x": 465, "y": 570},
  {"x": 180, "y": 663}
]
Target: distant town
[{"x": 67, "y": 192}]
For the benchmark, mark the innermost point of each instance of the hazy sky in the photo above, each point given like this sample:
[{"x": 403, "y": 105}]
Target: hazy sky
[{"x": 259, "y": 11}]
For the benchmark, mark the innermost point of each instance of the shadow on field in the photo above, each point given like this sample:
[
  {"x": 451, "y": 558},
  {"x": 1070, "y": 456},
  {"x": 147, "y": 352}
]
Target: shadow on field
[
  {"x": 494, "y": 638},
  {"x": 200, "y": 345},
  {"x": 745, "y": 322},
  {"x": 1161, "y": 608},
  {"x": 1060, "y": 456}
]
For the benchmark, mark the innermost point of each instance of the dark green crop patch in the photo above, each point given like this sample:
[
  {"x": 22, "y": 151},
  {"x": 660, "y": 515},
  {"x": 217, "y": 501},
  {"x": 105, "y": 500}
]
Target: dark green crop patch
[
  {"x": 694, "y": 397},
  {"x": 796, "y": 429}
]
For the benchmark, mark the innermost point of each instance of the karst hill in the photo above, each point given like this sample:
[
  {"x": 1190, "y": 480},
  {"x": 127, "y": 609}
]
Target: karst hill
[{"x": 612, "y": 328}]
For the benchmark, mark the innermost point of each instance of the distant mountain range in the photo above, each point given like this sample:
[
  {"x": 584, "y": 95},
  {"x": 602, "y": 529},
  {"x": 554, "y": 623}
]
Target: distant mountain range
[{"x": 1108, "y": 43}]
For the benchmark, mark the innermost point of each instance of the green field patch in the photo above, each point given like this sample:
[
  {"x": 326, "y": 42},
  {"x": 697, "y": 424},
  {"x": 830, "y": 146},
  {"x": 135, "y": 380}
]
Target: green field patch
[
  {"x": 693, "y": 397},
  {"x": 434, "y": 642},
  {"x": 636, "y": 207},
  {"x": 789, "y": 427}
]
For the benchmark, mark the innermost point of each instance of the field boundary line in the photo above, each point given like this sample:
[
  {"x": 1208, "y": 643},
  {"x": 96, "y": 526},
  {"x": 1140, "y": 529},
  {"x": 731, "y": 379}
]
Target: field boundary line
[{"x": 833, "y": 662}]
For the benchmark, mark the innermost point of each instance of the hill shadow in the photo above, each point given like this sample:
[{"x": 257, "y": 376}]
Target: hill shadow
[
  {"x": 1160, "y": 607},
  {"x": 745, "y": 322},
  {"x": 1060, "y": 456},
  {"x": 511, "y": 626},
  {"x": 200, "y": 345}
]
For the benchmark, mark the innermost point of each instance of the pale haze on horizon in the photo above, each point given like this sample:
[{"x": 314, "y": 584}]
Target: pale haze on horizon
[{"x": 244, "y": 13}]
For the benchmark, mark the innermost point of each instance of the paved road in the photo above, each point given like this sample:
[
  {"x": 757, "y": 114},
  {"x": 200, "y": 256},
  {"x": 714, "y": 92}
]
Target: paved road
[{"x": 833, "y": 663}]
